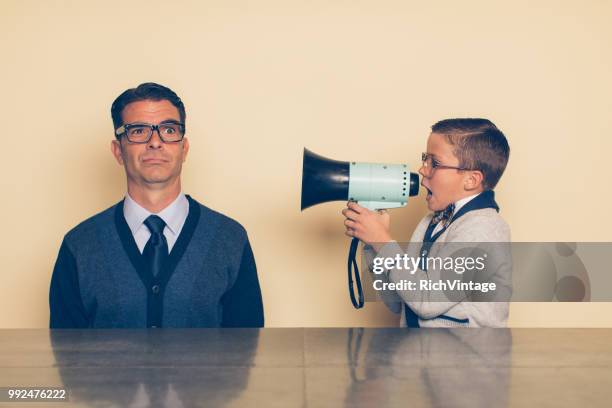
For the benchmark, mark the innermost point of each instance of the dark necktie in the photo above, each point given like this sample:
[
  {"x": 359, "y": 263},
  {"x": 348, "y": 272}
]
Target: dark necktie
[{"x": 156, "y": 250}]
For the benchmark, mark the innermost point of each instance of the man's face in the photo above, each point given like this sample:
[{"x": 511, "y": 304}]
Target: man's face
[
  {"x": 154, "y": 164},
  {"x": 444, "y": 186}
]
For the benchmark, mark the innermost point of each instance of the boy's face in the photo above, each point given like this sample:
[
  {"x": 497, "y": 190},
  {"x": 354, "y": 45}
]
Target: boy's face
[{"x": 445, "y": 186}]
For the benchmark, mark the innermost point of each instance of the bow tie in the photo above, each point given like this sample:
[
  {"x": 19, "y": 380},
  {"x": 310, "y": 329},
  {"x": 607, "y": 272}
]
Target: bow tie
[{"x": 444, "y": 216}]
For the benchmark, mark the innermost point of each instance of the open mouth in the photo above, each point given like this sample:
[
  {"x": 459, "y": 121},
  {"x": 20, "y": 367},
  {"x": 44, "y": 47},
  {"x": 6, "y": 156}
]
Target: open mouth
[{"x": 429, "y": 193}]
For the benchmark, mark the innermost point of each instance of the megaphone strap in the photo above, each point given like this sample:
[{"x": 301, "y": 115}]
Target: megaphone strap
[{"x": 352, "y": 266}]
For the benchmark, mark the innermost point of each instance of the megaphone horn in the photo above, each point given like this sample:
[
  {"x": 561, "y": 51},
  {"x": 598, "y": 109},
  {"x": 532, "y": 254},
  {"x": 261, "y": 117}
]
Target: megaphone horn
[
  {"x": 323, "y": 179},
  {"x": 372, "y": 185}
]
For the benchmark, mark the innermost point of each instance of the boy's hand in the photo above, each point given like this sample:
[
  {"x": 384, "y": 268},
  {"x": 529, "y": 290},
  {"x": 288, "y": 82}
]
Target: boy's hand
[{"x": 371, "y": 227}]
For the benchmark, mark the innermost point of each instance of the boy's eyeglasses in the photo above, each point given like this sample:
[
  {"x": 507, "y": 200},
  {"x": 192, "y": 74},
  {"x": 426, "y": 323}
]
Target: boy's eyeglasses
[
  {"x": 431, "y": 165},
  {"x": 169, "y": 132}
]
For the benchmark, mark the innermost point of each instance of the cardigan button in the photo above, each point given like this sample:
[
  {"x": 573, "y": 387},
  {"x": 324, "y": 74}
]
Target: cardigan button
[{"x": 155, "y": 289}]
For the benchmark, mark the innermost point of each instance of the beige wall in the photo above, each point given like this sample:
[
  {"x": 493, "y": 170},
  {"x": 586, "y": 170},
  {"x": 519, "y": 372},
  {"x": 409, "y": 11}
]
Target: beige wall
[{"x": 358, "y": 80}]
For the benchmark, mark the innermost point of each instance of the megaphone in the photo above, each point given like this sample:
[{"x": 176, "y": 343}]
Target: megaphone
[{"x": 375, "y": 186}]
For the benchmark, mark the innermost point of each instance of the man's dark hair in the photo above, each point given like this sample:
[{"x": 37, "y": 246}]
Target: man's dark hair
[
  {"x": 143, "y": 92},
  {"x": 479, "y": 145}
]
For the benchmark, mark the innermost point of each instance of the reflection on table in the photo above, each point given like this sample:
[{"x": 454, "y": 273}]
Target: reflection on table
[{"x": 313, "y": 367}]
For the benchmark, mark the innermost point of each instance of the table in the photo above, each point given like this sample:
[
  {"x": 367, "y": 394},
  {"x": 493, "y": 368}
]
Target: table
[{"x": 313, "y": 367}]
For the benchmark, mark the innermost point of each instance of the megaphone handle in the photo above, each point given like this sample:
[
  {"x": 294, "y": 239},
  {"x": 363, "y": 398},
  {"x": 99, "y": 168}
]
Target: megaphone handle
[{"x": 352, "y": 266}]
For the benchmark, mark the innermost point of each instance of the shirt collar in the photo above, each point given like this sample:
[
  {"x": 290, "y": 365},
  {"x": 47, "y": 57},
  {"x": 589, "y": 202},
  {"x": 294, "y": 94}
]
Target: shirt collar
[
  {"x": 173, "y": 215},
  {"x": 464, "y": 201}
]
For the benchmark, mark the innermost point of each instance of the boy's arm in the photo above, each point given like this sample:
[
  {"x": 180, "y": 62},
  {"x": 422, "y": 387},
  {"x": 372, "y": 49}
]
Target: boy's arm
[
  {"x": 390, "y": 298},
  {"x": 419, "y": 300}
]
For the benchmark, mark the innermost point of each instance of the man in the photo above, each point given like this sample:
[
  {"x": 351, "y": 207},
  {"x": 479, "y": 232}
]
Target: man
[{"x": 158, "y": 258}]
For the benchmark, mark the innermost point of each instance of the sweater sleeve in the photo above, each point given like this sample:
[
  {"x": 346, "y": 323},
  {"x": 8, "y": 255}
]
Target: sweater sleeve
[
  {"x": 242, "y": 304},
  {"x": 425, "y": 303},
  {"x": 65, "y": 304},
  {"x": 390, "y": 298}
]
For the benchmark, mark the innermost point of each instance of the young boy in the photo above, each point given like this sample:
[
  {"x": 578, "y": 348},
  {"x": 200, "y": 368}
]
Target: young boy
[{"x": 465, "y": 159}]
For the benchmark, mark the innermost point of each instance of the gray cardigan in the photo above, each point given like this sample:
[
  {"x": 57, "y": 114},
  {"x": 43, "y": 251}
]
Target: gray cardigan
[
  {"x": 209, "y": 280},
  {"x": 480, "y": 227}
]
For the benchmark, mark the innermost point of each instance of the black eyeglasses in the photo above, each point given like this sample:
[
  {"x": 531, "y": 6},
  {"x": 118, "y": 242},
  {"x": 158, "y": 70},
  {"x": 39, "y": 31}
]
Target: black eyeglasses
[
  {"x": 169, "y": 132},
  {"x": 431, "y": 165}
]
